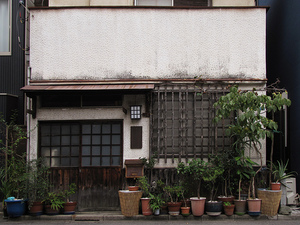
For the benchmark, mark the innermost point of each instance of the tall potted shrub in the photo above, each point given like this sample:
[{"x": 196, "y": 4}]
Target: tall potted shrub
[
  {"x": 145, "y": 187},
  {"x": 251, "y": 124},
  {"x": 38, "y": 185},
  {"x": 195, "y": 170},
  {"x": 174, "y": 193},
  {"x": 14, "y": 172},
  {"x": 213, "y": 171}
]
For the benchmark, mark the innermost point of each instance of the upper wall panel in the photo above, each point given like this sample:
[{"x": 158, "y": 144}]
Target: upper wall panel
[{"x": 147, "y": 43}]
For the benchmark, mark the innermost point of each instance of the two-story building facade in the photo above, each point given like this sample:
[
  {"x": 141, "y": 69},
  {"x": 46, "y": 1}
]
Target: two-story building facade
[{"x": 109, "y": 84}]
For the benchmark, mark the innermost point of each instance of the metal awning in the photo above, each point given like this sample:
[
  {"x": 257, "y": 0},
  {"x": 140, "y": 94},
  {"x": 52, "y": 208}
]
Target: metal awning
[{"x": 86, "y": 87}]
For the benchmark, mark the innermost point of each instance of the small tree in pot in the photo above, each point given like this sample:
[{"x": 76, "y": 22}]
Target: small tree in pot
[{"x": 192, "y": 174}]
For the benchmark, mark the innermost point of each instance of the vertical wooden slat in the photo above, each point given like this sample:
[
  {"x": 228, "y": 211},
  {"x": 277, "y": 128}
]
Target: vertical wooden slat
[
  {"x": 209, "y": 124},
  {"x": 180, "y": 127},
  {"x": 165, "y": 124},
  {"x": 158, "y": 123},
  {"x": 186, "y": 122},
  {"x": 194, "y": 122},
  {"x": 202, "y": 125},
  {"x": 173, "y": 122}
]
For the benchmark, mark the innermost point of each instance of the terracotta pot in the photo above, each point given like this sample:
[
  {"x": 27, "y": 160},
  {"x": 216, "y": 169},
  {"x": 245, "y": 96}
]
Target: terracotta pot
[
  {"x": 174, "y": 208},
  {"x": 185, "y": 211},
  {"x": 214, "y": 208},
  {"x": 50, "y": 211},
  {"x": 69, "y": 207},
  {"x": 240, "y": 207},
  {"x": 198, "y": 205},
  {"x": 275, "y": 186},
  {"x": 228, "y": 209},
  {"x": 254, "y": 205},
  {"x": 133, "y": 188},
  {"x": 146, "y": 210},
  {"x": 36, "y": 209}
]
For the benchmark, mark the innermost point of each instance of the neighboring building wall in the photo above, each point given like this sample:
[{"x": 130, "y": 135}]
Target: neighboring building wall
[
  {"x": 283, "y": 54},
  {"x": 142, "y": 43},
  {"x": 12, "y": 68}
]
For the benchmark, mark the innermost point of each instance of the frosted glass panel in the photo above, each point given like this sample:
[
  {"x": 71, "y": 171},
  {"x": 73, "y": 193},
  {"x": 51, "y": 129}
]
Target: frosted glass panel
[
  {"x": 106, "y": 150},
  {"x": 95, "y": 139},
  {"x": 65, "y": 151},
  {"x": 45, "y": 152},
  {"x": 75, "y": 140},
  {"x": 65, "y": 129},
  {"x": 116, "y": 139},
  {"x": 75, "y": 129},
  {"x": 55, "y": 130},
  {"x": 75, "y": 151},
  {"x": 47, "y": 162},
  {"x": 105, "y": 161},
  {"x": 85, "y": 161},
  {"x": 45, "y": 141},
  {"x": 106, "y": 139},
  {"x": 154, "y": 2},
  {"x": 96, "y": 150},
  {"x": 86, "y": 139},
  {"x": 74, "y": 161},
  {"x": 116, "y": 128},
  {"x": 96, "y": 129},
  {"x": 65, "y": 140},
  {"x": 96, "y": 161},
  {"x": 65, "y": 162},
  {"x": 55, "y": 151},
  {"x": 106, "y": 128},
  {"x": 55, "y": 140},
  {"x": 86, "y": 129},
  {"x": 115, "y": 161},
  {"x": 86, "y": 150},
  {"x": 115, "y": 150},
  {"x": 45, "y": 130},
  {"x": 55, "y": 162}
]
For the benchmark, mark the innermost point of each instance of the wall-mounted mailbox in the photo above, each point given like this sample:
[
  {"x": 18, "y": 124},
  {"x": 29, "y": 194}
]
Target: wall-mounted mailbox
[{"x": 134, "y": 168}]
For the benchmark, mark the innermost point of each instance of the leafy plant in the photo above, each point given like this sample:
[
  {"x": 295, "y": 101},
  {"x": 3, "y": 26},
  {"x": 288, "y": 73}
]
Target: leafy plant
[
  {"x": 38, "y": 182},
  {"x": 156, "y": 201},
  {"x": 70, "y": 191},
  {"x": 144, "y": 185},
  {"x": 279, "y": 171},
  {"x": 174, "y": 192},
  {"x": 251, "y": 124},
  {"x": 227, "y": 203},
  {"x": 55, "y": 199},
  {"x": 195, "y": 169},
  {"x": 213, "y": 171}
]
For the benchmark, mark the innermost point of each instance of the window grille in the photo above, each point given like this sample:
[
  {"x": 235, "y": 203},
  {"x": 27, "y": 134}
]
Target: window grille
[{"x": 182, "y": 122}]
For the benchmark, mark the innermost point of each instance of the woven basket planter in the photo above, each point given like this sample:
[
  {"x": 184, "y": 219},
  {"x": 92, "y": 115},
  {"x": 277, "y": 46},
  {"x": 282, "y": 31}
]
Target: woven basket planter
[
  {"x": 270, "y": 201},
  {"x": 129, "y": 201}
]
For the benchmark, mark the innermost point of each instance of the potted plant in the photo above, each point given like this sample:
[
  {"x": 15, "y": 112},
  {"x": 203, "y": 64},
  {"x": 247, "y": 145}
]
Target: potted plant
[
  {"x": 213, "y": 171},
  {"x": 244, "y": 170},
  {"x": 251, "y": 123},
  {"x": 174, "y": 192},
  {"x": 38, "y": 185},
  {"x": 69, "y": 206},
  {"x": 279, "y": 174},
  {"x": 228, "y": 208},
  {"x": 145, "y": 187},
  {"x": 192, "y": 174},
  {"x": 14, "y": 175},
  {"x": 185, "y": 209},
  {"x": 156, "y": 202},
  {"x": 53, "y": 203}
]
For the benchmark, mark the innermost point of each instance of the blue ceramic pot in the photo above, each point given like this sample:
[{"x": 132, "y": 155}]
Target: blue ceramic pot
[
  {"x": 15, "y": 208},
  {"x": 213, "y": 208}
]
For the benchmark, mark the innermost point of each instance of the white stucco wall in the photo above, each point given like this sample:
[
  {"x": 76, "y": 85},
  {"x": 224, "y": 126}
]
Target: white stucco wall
[
  {"x": 109, "y": 113},
  {"x": 119, "y": 43}
]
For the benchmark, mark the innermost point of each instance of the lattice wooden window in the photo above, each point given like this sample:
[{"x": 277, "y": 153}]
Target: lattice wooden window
[{"x": 181, "y": 123}]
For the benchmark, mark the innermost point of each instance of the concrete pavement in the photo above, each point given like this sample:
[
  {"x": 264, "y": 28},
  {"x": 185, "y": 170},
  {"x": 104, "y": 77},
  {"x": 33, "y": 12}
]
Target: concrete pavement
[{"x": 117, "y": 216}]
